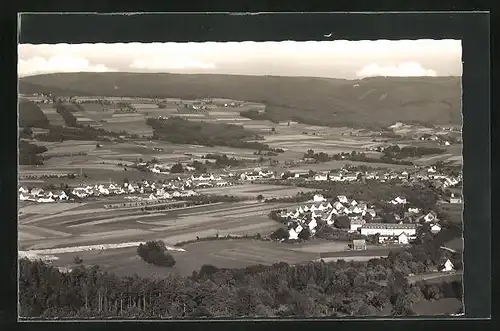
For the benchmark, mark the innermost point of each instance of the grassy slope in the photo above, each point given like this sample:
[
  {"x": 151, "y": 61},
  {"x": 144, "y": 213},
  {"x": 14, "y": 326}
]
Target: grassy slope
[{"x": 335, "y": 101}]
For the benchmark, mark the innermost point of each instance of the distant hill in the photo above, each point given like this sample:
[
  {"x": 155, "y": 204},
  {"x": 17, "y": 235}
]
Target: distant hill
[{"x": 323, "y": 101}]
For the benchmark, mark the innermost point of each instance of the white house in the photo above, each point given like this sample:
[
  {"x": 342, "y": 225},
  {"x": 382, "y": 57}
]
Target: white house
[
  {"x": 356, "y": 223},
  {"x": 299, "y": 229},
  {"x": 403, "y": 239},
  {"x": 435, "y": 228},
  {"x": 319, "y": 198},
  {"x": 342, "y": 199},
  {"x": 23, "y": 197},
  {"x": 414, "y": 210},
  {"x": 448, "y": 266},
  {"x": 398, "y": 200},
  {"x": 312, "y": 224},
  {"x": 354, "y": 203},
  {"x": 455, "y": 199},
  {"x": 321, "y": 177},
  {"x": 338, "y": 206},
  {"x": 430, "y": 217},
  {"x": 330, "y": 219},
  {"x": 292, "y": 234}
]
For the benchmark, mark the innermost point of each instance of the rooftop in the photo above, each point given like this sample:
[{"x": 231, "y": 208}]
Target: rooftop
[{"x": 388, "y": 226}]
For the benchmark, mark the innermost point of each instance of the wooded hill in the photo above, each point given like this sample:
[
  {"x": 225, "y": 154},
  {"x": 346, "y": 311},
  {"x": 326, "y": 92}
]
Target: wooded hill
[{"x": 322, "y": 101}]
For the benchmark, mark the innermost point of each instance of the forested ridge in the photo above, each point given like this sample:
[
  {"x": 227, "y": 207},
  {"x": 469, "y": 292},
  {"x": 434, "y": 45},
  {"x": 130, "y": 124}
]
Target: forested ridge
[{"x": 327, "y": 289}]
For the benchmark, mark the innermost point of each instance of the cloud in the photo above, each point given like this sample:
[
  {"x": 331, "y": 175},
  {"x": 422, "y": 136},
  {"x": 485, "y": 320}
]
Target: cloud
[
  {"x": 168, "y": 64},
  {"x": 406, "y": 69},
  {"x": 63, "y": 63}
]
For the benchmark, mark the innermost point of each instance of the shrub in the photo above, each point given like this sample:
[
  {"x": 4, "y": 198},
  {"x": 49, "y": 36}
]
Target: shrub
[
  {"x": 154, "y": 252},
  {"x": 279, "y": 234}
]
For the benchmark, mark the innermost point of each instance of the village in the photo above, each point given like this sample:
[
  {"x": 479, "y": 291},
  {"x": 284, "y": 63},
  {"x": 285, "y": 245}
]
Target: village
[{"x": 184, "y": 182}]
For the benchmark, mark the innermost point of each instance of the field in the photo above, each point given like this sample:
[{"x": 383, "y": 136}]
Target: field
[
  {"x": 75, "y": 224},
  {"x": 52, "y": 115},
  {"x": 222, "y": 254},
  {"x": 252, "y": 190}
]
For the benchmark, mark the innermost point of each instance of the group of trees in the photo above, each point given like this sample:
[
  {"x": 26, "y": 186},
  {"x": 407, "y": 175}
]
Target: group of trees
[
  {"x": 395, "y": 152},
  {"x": 299, "y": 197},
  {"x": 29, "y": 153},
  {"x": 319, "y": 157},
  {"x": 181, "y": 131},
  {"x": 30, "y": 115},
  {"x": 222, "y": 160},
  {"x": 361, "y": 157},
  {"x": 315, "y": 289},
  {"x": 155, "y": 252}
]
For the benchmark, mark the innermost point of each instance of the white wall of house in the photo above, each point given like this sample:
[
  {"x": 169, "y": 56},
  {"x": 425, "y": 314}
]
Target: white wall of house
[{"x": 390, "y": 232}]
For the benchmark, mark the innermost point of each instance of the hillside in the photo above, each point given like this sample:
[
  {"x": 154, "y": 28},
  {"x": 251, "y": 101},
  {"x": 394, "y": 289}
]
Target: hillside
[{"x": 324, "y": 101}]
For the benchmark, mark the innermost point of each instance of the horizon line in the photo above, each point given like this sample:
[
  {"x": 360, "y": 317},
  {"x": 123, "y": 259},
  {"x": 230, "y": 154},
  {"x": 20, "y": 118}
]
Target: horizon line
[{"x": 218, "y": 74}]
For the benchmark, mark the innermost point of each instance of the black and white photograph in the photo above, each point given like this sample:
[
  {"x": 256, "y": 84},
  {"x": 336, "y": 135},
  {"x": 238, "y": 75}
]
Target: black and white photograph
[{"x": 240, "y": 180}]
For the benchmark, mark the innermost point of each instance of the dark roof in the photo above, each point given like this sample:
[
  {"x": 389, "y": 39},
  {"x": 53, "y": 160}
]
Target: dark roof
[{"x": 388, "y": 226}]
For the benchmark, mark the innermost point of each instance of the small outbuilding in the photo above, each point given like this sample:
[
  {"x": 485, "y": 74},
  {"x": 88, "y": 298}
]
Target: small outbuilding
[{"x": 359, "y": 244}]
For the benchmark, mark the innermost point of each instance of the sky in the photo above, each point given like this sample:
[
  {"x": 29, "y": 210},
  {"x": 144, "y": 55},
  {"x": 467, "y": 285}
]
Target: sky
[{"x": 335, "y": 59}]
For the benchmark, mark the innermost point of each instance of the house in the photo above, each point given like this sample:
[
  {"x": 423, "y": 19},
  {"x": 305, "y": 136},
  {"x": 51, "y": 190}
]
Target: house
[
  {"x": 447, "y": 266},
  {"x": 403, "y": 238},
  {"x": 312, "y": 224},
  {"x": 354, "y": 203},
  {"x": 299, "y": 229},
  {"x": 292, "y": 234},
  {"x": 342, "y": 199},
  {"x": 435, "y": 228},
  {"x": 455, "y": 199},
  {"x": 322, "y": 207},
  {"x": 414, "y": 210},
  {"x": 371, "y": 212},
  {"x": 430, "y": 217},
  {"x": 398, "y": 200},
  {"x": 319, "y": 198},
  {"x": 359, "y": 244},
  {"x": 336, "y": 176},
  {"x": 338, "y": 206},
  {"x": 356, "y": 223},
  {"x": 331, "y": 218},
  {"x": 321, "y": 177}
]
